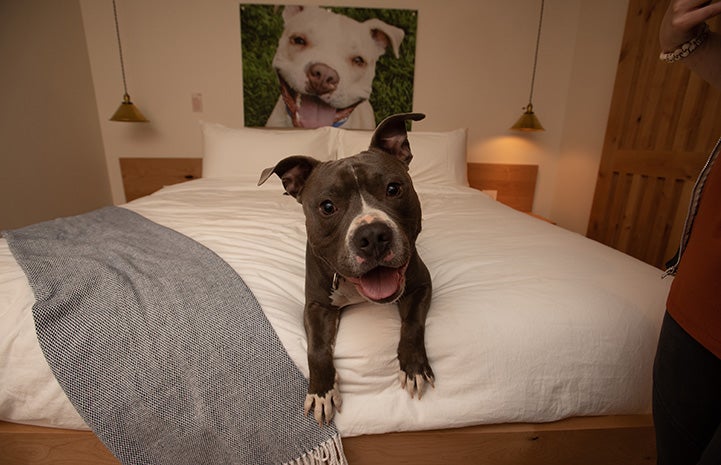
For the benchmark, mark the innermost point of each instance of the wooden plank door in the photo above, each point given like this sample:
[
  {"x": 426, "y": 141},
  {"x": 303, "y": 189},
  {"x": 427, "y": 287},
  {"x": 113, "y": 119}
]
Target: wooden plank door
[{"x": 662, "y": 125}]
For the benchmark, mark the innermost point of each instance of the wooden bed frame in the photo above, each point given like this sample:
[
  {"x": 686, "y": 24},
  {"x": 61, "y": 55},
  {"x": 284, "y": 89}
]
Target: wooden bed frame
[{"x": 617, "y": 440}]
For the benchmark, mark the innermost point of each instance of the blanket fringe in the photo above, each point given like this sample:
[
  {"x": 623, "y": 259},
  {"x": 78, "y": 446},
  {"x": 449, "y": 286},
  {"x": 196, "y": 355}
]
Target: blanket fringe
[{"x": 329, "y": 452}]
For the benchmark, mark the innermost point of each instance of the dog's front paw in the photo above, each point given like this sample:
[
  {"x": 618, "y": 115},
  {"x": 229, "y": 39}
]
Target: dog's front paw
[
  {"x": 416, "y": 382},
  {"x": 323, "y": 406}
]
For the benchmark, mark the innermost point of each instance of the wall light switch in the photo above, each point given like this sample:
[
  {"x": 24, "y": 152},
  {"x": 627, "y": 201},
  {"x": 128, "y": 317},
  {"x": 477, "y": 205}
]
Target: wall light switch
[{"x": 197, "y": 102}]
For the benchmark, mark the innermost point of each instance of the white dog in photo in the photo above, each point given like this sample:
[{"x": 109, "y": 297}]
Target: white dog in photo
[{"x": 326, "y": 63}]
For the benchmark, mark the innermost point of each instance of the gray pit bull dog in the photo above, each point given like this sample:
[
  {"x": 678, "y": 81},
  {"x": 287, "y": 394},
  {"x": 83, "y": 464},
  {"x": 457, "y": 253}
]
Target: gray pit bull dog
[{"x": 362, "y": 220}]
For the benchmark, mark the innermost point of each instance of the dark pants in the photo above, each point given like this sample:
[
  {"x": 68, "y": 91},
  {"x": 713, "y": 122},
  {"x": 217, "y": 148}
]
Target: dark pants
[{"x": 686, "y": 399}]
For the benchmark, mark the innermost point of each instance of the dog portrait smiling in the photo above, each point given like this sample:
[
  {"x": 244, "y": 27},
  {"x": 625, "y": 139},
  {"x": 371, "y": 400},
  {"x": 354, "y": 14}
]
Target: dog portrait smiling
[
  {"x": 311, "y": 66},
  {"x": 362, "y": 219}
]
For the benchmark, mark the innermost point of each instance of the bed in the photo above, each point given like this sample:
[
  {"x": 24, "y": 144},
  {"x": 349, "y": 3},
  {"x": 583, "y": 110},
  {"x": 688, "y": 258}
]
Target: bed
[{"x": 542, "y": 341}]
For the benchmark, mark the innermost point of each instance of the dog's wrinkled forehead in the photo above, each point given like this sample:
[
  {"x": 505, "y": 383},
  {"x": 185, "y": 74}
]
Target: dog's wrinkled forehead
[
  {"x": 334, "y": 178},
  {"x": 318, "y": 21},
  {"x": 353, "y": 175},
  {"x": 370, "y": 165},
  {"x": 324, "y": 31}
]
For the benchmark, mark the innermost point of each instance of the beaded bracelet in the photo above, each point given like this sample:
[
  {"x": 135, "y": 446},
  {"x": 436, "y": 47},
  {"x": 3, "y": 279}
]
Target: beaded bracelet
[{"x": 686, "y": 48}]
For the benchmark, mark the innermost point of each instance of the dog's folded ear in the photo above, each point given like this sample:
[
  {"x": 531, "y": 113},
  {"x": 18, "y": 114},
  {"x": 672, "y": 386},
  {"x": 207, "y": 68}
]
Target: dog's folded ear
[
  {"x": 384, "y": 35},
  {"x": 391, "y": 137},
  {"x": 292, "y": 171}
]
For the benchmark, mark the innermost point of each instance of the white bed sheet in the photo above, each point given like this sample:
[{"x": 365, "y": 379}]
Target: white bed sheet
[{"x": 529, "y": 322}]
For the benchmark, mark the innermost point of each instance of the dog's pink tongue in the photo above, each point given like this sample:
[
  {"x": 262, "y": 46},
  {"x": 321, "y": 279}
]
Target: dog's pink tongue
[
  {"x": 380, "y": 283},
  {"x": 315, "y": 113}
]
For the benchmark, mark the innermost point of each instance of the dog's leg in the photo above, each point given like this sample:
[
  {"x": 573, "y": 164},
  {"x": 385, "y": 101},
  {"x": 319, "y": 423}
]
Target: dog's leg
[
  {"x": 413, "y": 307},
  {"x": 321, "y": 325}
]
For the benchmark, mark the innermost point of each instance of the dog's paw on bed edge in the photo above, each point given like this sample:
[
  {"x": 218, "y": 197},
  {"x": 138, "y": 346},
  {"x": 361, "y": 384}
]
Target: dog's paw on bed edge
[
  {"x": 323, "y": 406},
  {"x": 415, "y": 384}
]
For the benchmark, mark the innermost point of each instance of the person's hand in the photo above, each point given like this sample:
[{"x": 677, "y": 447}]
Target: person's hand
[{"x": 683, "y": 21}]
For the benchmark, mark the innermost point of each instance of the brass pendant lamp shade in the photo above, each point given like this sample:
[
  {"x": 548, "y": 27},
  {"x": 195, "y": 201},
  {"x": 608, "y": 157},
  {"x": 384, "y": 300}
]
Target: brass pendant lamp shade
[
  {"x": 126, "y": 112},
  {"x": 528, "y": 122}
]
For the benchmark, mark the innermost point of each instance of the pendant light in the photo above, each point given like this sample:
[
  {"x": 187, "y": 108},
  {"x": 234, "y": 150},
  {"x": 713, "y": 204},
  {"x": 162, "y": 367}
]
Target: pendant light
[
  {"x": 126, "y": 112},
  {"x": 528, "y": 121}
]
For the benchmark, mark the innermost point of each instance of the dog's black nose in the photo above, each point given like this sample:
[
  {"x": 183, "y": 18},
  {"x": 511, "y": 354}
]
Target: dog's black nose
[
  {"x": 322, "y": 79},
  {"x": 373, "y": 240}
]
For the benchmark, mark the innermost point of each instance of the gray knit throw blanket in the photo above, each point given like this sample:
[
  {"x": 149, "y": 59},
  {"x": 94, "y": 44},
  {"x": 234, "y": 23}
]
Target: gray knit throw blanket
[{"x": 162, "y": 348}]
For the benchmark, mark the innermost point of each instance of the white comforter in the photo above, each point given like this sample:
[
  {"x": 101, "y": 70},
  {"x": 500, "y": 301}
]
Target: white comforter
[{"x": 529, "y": 322}]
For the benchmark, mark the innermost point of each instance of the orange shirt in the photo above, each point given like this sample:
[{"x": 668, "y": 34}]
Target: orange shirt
[{"x": 694, "y": 300}]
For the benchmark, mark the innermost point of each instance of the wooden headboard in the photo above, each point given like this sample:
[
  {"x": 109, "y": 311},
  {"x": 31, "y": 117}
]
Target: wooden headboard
[
  {"x": 143, "y": 176},
  {"x": 515, "y": 185}
]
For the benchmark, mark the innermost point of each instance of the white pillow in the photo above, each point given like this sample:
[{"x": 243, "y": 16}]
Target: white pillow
[
  {"x": 244, "y": 152},
  {"x": 438, "y": 157}
]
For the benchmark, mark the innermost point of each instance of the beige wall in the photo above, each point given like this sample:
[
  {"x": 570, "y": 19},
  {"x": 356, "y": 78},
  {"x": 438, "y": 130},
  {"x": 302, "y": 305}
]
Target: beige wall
[
  {"x": 473, "y": 69},
  {"x": 51, "y": 154}
]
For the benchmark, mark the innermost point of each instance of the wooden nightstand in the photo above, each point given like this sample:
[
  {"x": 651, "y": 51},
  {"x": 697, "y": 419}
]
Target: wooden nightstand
[
  {"x": 515, "y": 185},
  {"x": 542, "y": 218}
]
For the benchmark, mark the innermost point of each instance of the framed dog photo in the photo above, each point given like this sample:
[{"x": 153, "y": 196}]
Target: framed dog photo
[{"x": 311, "y": 66}]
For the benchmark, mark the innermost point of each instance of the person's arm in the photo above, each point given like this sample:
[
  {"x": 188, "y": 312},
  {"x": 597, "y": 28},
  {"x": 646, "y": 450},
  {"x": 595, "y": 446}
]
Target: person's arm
[{"x": 684, "y": 20}]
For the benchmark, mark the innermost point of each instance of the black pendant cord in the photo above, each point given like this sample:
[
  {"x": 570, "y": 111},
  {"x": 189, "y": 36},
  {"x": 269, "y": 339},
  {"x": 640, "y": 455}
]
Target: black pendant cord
[
  {"x": 535, "y": 58},
  {"x": 120, "y": 48}
]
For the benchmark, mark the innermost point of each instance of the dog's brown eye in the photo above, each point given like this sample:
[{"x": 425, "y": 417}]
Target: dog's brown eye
[
  {"x": 327, "y": 207},
  {"x": 298, "y": 40},
  {"x": 393, "y": 189},
  {"x": 359, "y": 61}
]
